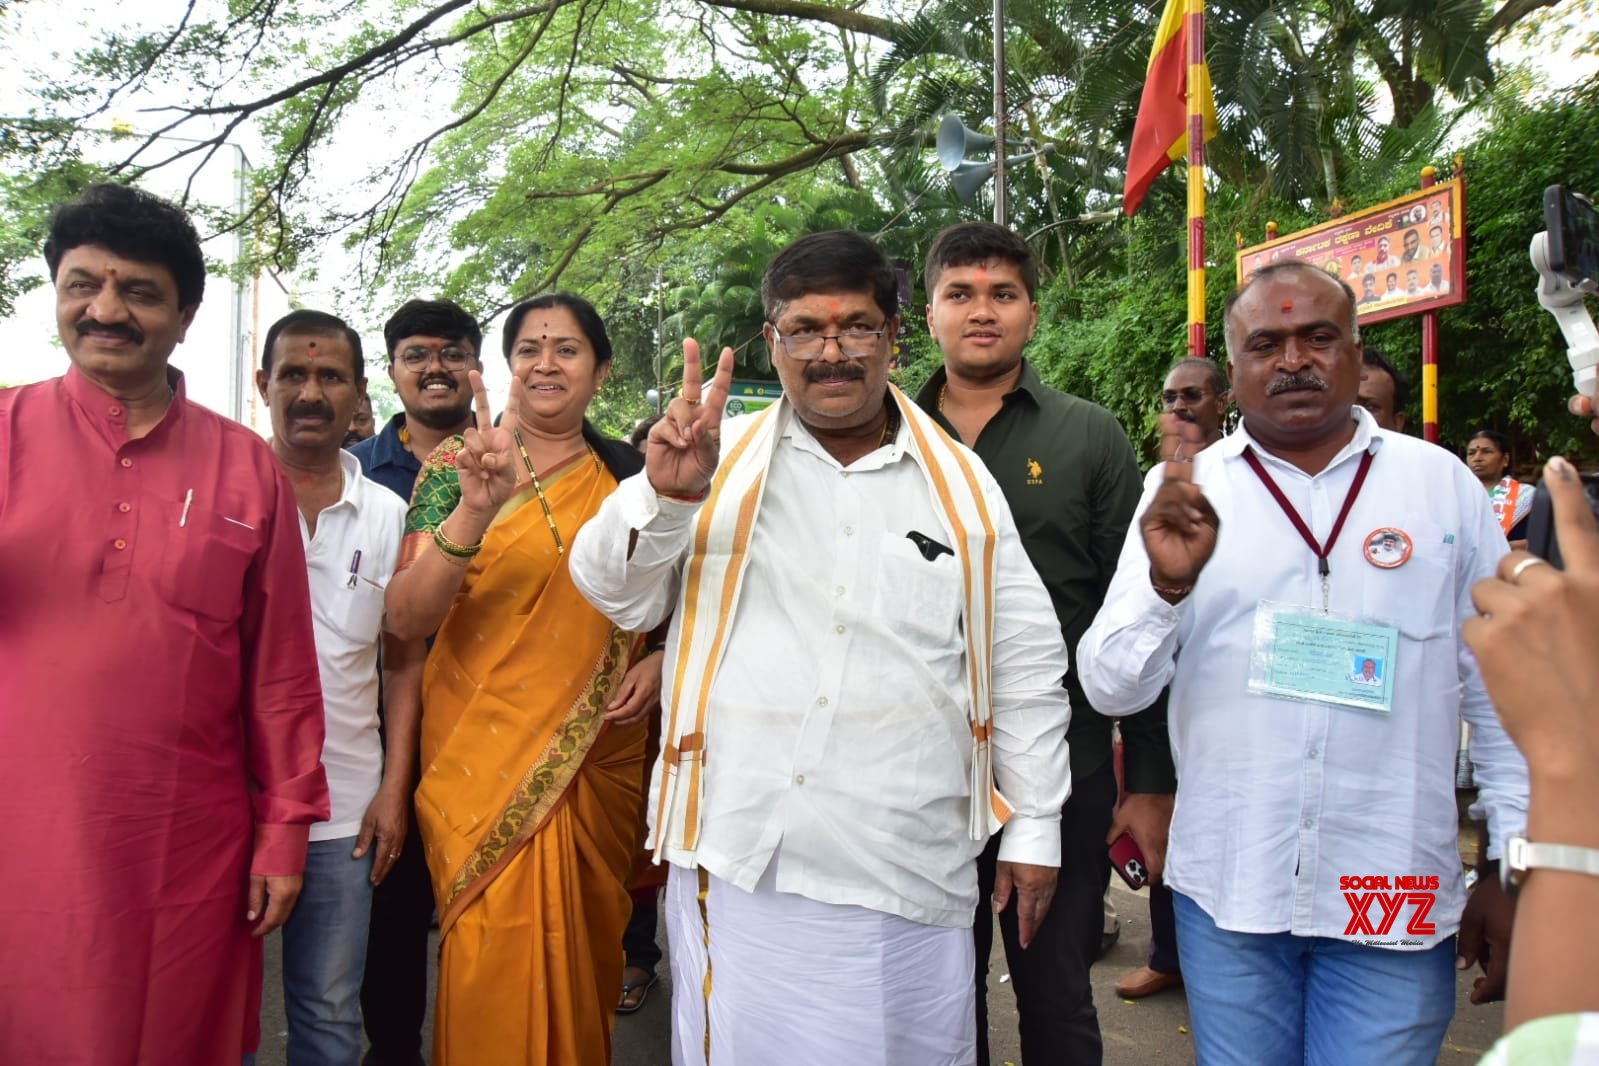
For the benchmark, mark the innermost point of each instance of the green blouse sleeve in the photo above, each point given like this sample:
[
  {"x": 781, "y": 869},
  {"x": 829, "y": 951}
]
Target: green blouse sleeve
[{"x": 438, "y": 489}]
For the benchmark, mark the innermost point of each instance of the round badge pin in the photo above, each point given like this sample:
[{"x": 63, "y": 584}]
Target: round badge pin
[{"x": 1387, "y": 547}]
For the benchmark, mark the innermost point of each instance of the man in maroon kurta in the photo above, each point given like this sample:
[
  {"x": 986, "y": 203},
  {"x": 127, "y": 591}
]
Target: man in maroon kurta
[{"x": 160, "y": 713}]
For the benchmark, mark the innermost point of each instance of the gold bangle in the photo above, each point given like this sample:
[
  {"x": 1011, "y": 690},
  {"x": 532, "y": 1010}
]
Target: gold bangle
[{"x": 451, "y": 549}]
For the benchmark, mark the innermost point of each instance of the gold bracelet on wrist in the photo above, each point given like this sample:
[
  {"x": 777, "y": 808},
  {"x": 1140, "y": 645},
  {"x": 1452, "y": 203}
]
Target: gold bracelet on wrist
[{"x": 452, "y": 550}]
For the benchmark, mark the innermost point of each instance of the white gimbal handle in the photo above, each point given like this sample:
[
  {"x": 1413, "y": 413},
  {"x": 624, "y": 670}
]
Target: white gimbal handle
[{"x": 1564, "y": 300}]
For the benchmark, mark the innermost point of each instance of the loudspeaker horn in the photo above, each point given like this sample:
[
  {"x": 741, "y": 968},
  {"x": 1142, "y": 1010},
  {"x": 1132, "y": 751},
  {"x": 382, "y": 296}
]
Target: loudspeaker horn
[
  {"x": 955, "y": 139},
  {"x": 969, "y": 177}
]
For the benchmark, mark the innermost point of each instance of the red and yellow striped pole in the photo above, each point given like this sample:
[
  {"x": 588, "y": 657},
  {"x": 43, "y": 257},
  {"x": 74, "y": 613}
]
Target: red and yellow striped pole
[
  {"x": 1198, "y": 93},
  {"x": 1429, "y": 350}
]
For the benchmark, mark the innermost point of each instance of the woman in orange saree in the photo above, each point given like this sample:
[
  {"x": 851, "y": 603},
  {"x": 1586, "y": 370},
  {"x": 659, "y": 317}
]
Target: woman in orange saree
[{"x": 532, "y": 741}]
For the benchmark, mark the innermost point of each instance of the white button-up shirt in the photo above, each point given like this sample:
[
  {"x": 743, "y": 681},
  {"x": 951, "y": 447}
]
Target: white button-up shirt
[
  {"x": 347, "y": 620},
  {"x": 839, "y": 745},
  {"x": 1277, "y": 799}
]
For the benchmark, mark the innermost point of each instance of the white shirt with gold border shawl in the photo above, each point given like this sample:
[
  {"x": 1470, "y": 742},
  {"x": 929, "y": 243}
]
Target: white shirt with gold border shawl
[{"x": 841, "y": 732}]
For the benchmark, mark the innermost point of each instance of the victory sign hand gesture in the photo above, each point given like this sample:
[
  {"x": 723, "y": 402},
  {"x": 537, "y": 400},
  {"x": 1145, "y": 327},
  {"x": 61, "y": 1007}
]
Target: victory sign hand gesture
[
  {"x": 684, "y": 446},
  {"x": 485, "y": 463}
]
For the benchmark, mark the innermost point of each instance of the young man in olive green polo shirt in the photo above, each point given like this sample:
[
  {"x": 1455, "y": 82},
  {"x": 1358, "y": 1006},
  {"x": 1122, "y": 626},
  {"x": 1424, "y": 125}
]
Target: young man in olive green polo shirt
[{"x": 1072, "y": 481}]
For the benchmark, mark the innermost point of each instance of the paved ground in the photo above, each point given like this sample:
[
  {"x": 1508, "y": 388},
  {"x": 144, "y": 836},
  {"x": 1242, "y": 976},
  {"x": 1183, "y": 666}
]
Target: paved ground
[{"x": 1148, "y": 1031}]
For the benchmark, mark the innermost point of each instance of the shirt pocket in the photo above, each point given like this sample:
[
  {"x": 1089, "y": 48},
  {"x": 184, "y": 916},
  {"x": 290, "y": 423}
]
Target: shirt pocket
[
  {"x": 206, "y": 558},
  {"x": 918, "y": 595},
  {"x": 1417, "y": 597},
  {"x": 360, "y": 612}
]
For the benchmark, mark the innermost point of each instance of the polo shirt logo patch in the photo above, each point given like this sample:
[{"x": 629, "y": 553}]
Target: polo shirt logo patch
[{"x": 1035, "y": 472}]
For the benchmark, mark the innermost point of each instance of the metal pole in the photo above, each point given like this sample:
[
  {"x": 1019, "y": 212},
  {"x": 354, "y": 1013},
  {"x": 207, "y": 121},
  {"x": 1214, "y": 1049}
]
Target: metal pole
[{"x": 999, "y": 111}]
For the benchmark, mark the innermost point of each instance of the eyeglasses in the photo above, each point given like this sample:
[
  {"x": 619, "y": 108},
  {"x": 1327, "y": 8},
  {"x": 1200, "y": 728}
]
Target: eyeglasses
[
  {"x": 419, "y": 358},
  {"x": 1189, "y": 396},
  {"x": 853, "y": 343}
]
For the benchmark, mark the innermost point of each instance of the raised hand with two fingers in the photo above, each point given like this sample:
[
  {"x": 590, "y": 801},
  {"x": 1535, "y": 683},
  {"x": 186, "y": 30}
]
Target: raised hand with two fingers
[
  {"x": 485, "y": 463},
  {"x": 685, "y": 445}
]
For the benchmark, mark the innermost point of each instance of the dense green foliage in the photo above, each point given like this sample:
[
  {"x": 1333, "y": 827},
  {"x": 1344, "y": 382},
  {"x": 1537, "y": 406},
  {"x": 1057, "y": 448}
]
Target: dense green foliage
[{"x": 654, "y": 156}]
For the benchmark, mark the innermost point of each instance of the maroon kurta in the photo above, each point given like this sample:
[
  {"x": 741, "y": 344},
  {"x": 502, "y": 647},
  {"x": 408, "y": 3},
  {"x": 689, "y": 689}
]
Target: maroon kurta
[{"x": 160, "y": 726}]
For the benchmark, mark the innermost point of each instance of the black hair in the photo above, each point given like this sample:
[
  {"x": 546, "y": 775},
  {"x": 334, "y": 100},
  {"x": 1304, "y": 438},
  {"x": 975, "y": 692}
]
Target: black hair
[
  {"x": 313, "y": 323},
  {"x": 588, "y": 320},
  {"x": 1498, "y": 439},
  {"x": 970, "y": 243},
  {"x": 135, "y": 225},
  {"x": 641, "y": 432},
  {"x": 1272, "y": 270},
  {"x": 1373, "y": 357},
  {"x": 834, "y": 261},
  {"x": 1216, "y": 377},
  {"x": 432, "y": 318}
]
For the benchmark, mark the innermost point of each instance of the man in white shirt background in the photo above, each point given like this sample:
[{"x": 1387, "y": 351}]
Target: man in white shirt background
[
  {"x": 312, "y": 376},
  {"x": 1300, "y": 818},
  {"x": 858, "y": 638}
]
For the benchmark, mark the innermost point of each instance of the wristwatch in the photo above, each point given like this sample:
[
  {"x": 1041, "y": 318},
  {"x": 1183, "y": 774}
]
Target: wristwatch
[{"x": 1522, "y": 855}]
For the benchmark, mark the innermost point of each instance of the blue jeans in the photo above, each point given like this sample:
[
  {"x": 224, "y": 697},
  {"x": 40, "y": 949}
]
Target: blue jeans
[
  {"x": 324, "y": 952},
  {"x": 1274, "y": 999}
]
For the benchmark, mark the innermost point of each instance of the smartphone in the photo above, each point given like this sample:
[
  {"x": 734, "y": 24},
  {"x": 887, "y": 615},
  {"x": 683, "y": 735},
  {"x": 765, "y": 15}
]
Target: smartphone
[
  {"x": 1541, "y": 539},
  {"x": 1129, "y": 861},
  {"x": 1573, "y": 227}
]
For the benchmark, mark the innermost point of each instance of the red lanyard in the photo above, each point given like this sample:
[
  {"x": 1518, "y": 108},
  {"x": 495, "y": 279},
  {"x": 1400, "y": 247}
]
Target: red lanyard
[{"x": 1299, "y": 523}]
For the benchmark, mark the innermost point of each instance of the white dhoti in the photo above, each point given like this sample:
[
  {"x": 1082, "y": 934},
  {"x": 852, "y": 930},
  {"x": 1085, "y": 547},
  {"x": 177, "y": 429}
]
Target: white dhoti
[{"x": 795, "y": 981}]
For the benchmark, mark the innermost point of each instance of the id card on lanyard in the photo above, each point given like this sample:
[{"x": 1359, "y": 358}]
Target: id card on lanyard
[{"x": 1302, "y": 653}]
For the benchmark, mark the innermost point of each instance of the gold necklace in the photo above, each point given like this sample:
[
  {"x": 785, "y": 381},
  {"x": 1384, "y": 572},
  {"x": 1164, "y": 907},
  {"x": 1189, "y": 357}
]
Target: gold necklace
[
  {"x": 943, "y": 391},
  {"x": 538, "y": 488}
]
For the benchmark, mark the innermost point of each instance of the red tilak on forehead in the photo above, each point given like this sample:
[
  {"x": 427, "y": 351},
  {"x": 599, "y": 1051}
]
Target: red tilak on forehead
[
  {"x": 1288, "y": 305},
  {"x": 310, "y": 349}
]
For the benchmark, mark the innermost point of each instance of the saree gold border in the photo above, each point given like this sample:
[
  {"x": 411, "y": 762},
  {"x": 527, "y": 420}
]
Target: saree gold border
[
  {"x": 685, "y": 639},
  {"x": 735, "y": 567},
  {"x": 705, "y": 929},
  {"x": 540, "y": 791}
]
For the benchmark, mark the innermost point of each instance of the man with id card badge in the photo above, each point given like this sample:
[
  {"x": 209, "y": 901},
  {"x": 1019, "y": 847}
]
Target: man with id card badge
[
  {"x": 1301, "y": 586},
  {"x": 312, "y": 376}
]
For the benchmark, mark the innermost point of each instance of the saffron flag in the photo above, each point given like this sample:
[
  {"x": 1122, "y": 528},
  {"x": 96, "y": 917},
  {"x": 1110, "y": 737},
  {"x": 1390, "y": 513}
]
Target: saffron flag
[{"x": 1160, "y": 136}]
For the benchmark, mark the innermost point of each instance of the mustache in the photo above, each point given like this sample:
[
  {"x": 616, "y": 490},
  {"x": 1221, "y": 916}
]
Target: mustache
[
  {"x": 1303, "y": 379},
  {"x": 127, "y": 332},
  {"x": 850, "y": 371},
  {"x": 311, "y": 410},
  {"x": 440, "y": 379},
  {"x": 1184, "y": 415}
]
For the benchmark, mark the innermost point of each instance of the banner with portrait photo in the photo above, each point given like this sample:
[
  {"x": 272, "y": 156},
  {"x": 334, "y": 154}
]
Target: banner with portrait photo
[{"x": 1401, "y": 257}]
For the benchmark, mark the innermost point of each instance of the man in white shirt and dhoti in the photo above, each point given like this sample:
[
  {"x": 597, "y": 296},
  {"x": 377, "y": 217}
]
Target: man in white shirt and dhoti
[
  {"x": 862, "y": 682},
  {"x": 1301, "y": 585}
]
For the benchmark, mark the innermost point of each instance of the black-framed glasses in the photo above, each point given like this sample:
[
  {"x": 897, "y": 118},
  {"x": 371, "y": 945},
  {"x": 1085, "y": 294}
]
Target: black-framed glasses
[
  {"x": 1190, "y": 396},
  {"x": 854, "y": 343},
  {"x": 419, "y": 357}
]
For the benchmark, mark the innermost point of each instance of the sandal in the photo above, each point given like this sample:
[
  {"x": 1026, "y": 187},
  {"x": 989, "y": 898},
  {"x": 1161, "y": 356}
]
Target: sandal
[{"x": 640, "y": 985}]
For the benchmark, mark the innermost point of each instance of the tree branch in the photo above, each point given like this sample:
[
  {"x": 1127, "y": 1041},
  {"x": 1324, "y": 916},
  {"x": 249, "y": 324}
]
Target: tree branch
[{"x": 871, "y": 25}]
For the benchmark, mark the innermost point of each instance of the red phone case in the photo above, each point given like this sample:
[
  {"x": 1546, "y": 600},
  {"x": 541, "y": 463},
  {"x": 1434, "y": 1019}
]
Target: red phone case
[{"x": 1129, "y": 861}]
